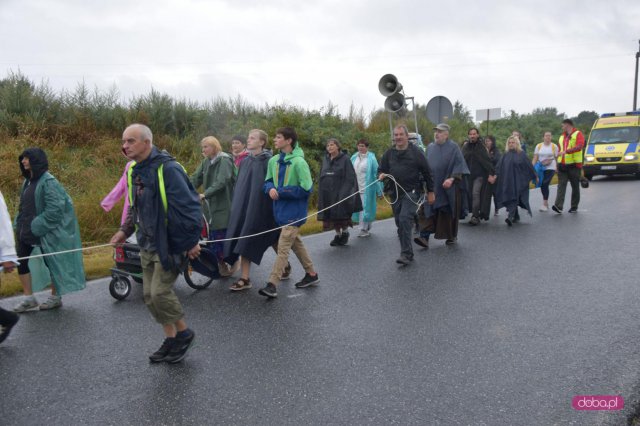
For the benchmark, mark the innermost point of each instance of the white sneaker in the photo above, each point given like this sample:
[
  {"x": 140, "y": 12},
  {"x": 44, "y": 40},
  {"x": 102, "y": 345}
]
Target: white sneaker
[
  {"x": 364, "y": 233},
  {"x": 28, "y": 304},
  {"x": 52, "y": 302},
  {"x": 544, "y": 209}
]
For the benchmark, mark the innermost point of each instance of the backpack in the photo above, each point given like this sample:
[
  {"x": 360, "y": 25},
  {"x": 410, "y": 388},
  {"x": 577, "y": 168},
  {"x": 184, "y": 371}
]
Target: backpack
[{"x": 554, "y": 148}]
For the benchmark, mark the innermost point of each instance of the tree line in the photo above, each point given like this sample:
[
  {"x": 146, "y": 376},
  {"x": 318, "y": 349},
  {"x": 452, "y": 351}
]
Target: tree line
[{"x": 81, "y": 132}]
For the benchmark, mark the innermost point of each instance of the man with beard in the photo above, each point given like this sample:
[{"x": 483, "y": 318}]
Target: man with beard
[
  {"x": 409, "y": 167},
  {"x": 448, "y": 167},
  {"x": 481, "y": 174}
]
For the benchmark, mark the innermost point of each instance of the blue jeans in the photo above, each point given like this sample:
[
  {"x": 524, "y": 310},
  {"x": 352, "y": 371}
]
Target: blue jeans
[{"x": 544, "y": 186}]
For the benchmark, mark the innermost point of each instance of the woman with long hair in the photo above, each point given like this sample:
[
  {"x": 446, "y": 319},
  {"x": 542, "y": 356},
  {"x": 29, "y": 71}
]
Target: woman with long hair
[{"x": 514, "y": 174}]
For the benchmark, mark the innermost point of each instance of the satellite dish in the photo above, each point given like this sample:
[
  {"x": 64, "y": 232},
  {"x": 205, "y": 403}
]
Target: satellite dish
[{"x": 439, "y": 109}]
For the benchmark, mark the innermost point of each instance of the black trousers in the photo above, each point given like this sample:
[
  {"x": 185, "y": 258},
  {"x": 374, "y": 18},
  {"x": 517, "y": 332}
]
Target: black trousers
[{"x": 7, "y": 317}]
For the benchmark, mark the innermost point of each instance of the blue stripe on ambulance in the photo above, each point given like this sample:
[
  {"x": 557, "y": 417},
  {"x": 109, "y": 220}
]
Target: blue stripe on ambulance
[{"x": 631, "y": 148}]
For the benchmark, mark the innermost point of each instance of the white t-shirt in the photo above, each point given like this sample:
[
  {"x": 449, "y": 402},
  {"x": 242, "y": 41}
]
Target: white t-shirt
[{"x": 546, "y": 153}]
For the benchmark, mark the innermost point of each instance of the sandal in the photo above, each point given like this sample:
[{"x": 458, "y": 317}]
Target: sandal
[{"x": 241, "y": 284}]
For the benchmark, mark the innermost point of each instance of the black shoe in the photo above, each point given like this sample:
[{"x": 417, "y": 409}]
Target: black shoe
[
  {"x": 573, "y": 210},
  {"x": 451, "y": 242},
  {"x": 180, "y": 347},
  {"x": 403, "y": 260},
  {"x": 286, "y": 274},
  {"x": 161, "y": 354},
  {"x": 474, "y": 221},
  {"x": 509, "y": 221},
  {"x": 269, "y": 290},
  {"x": 6, "y": 329},
  {"x": 344, "y": 238},
  {"x": 556, "y": 209},
  {"x": 335, "y": 241},
  {"x": 308, "y": 280},
  {"x": 422, "y": 242}
]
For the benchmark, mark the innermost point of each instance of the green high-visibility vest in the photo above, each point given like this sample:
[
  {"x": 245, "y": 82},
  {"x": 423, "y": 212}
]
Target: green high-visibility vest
[
  {"x": 163, "y": 192},
  {"x": 574, "y": 158}
]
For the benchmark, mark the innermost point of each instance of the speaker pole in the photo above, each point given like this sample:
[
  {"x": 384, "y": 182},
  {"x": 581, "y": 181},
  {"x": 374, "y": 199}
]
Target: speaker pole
[
  {"x": 488, "y": 124},
  {"x": 415, "y": 117},
  {"x": 391, "y": 128}
]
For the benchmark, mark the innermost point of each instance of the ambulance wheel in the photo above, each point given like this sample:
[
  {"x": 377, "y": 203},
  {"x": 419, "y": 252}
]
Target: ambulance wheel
[
  {"x": 119, "y": 287},
  {"x": 195, "y": 280}
]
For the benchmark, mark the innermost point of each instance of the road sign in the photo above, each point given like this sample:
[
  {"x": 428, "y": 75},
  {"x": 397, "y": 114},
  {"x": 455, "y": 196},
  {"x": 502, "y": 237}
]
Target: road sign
[
  {"x": 439, "y": 109},
  {"x": 488, "y": 114}
]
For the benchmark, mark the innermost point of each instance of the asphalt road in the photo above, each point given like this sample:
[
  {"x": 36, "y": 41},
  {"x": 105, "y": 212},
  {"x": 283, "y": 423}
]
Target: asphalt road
[{"x": 504, "y": 328}]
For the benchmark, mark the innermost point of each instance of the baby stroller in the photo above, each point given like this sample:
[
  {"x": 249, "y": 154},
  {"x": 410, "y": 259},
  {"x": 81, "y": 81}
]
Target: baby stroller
[{"x": 198, "y": 273}]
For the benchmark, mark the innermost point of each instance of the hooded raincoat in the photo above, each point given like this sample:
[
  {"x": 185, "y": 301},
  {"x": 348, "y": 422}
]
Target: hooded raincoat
[
  {"x": 217, "y": 179},
  {"x": 371, "y": 191},
  {"x": 251, "y": 212},
  {"x": 337, "y": 182},
  {"x": 480, "y": 165},
  {"x": 515, "y": 171},
  {"x": 7, "y": 243},
  {"x": 446, "y": 161},
  {"x": 119, "y": 191},
  {"x": 56, "y": 225}
]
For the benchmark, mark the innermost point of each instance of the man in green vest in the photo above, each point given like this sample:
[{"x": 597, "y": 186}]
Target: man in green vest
[
  {"x": 569, "y": 162},
  {"x": 165, "y": 214}
]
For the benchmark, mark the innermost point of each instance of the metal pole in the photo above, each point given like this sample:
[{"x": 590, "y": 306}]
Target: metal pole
[
  {"x": 487, "y": 122},
  {"x": 391, "y": 128},
  {"x": 635, "y": 82},
  {"x": 415, "y": 117}
]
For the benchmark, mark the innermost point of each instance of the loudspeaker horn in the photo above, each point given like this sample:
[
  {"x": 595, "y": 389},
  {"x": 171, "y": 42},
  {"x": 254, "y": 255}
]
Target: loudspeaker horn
[
  {"x": 389, "y": 85},
  {"x": 394, "y": 103}
]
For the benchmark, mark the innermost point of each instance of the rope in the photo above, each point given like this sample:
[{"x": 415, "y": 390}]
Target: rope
[
  {"x": 418, "y": 204},
  {"x": 292, "y": 223},
  {"x": 393, "y": 179},
  {"x": 64, "y": 251}
]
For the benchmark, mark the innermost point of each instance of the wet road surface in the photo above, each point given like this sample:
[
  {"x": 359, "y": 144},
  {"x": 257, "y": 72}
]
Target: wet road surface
[{"x": 503, "y": 328}]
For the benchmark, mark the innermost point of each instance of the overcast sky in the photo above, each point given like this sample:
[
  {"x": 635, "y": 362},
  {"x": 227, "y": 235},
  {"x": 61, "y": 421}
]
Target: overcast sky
[{"x": 520, "y": 55}]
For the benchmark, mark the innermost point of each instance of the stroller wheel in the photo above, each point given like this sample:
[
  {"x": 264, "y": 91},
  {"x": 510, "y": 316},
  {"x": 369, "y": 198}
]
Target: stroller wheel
[
  {"x": 196, "y": 280},
  {"x": 119, "y": 287}
]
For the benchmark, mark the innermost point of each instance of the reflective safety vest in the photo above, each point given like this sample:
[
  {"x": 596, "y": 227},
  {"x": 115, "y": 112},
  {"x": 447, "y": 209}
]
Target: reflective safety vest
[
  {"x": 163, "y": 192},
  {"x": 574, "y": 158}
]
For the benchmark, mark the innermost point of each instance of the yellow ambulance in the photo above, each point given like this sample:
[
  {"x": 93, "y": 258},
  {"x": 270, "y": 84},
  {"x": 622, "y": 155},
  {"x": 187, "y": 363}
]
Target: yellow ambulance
[{"x": 613, "y": 146}]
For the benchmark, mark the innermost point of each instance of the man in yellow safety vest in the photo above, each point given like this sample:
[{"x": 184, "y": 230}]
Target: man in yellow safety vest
[{"x": 569, "y": 162}]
